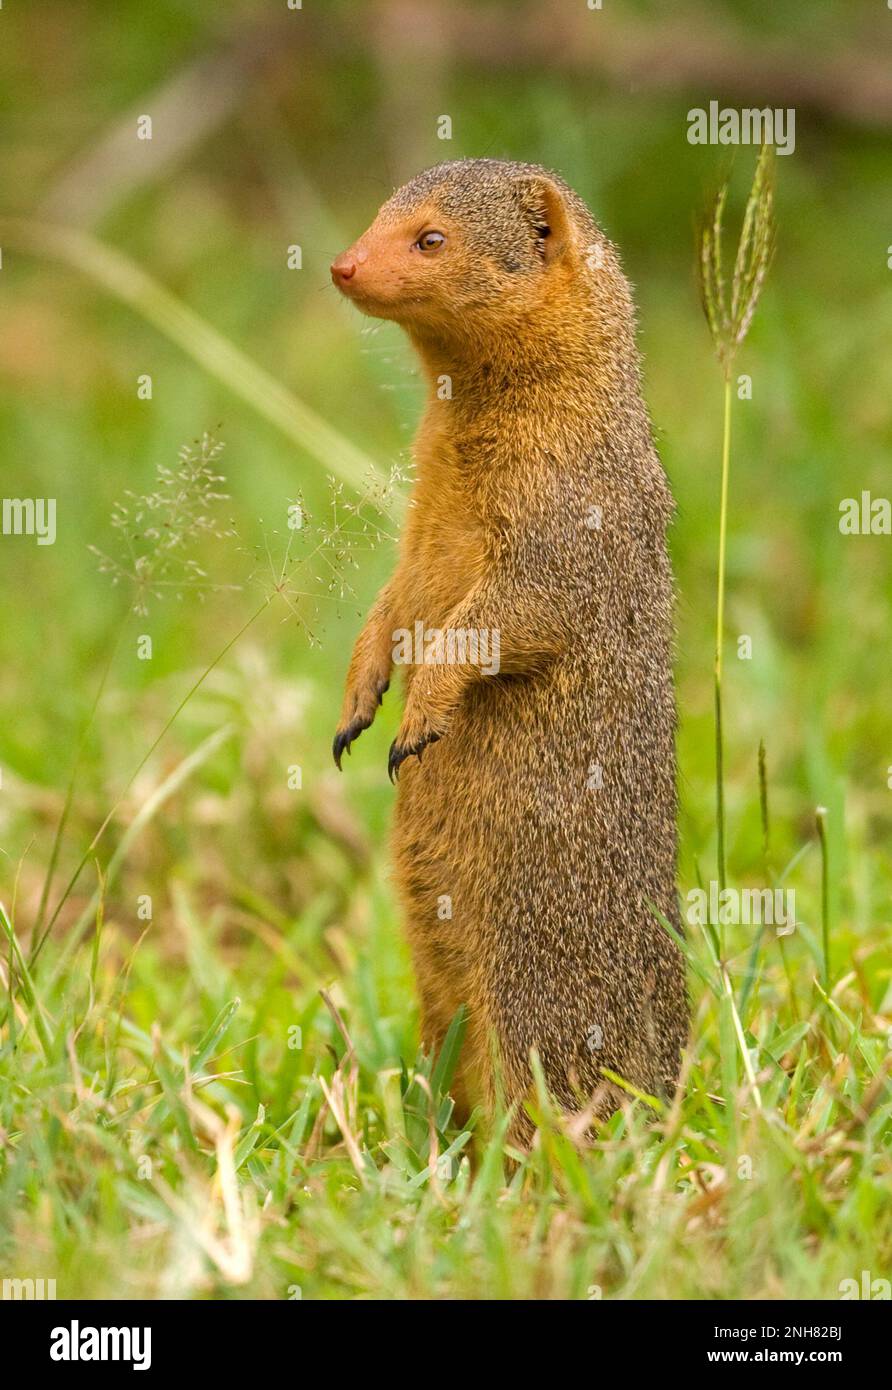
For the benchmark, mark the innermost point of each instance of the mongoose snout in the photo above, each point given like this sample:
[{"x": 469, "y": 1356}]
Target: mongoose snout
[
  {"x": 535, "y": 840},
  {"x": 343, "y": 268}
]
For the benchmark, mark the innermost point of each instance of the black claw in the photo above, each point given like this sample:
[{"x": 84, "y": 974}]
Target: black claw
[
  {"x": 338, "y": 748},
  {"x": 344, "y": 737},
  {"x": 394, "y": 758},
  {"x": 399, "y": 753}
]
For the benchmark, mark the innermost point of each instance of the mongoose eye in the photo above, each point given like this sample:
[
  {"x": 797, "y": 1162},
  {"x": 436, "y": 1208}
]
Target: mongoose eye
[{"x": 430, "y": 241}]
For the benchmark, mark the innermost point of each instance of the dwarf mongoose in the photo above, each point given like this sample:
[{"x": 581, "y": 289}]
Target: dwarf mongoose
[{"x": 531, "y": 607}]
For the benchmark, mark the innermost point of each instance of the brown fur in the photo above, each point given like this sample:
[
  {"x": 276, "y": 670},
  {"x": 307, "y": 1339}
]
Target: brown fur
[{"x": 551, "y": 943}]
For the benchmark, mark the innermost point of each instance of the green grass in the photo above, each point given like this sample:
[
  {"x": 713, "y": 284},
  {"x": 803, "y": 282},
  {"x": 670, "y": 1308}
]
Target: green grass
[
  {"x": 162, "y": 1136},
  {"x": 161, "y": 1132}
]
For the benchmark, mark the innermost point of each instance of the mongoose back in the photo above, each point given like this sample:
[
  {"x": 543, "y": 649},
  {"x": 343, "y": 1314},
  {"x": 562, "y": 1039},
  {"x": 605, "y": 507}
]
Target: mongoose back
[{"x": 535, "y": 824}]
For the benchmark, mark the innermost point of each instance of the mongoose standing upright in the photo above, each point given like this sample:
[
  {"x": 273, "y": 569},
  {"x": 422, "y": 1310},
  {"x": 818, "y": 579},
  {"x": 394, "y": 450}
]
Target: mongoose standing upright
[{"x": 537, "y": 834}]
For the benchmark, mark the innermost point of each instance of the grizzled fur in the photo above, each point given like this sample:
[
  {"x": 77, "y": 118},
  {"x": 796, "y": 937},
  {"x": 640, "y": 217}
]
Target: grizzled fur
[{"x": 544, "y": 806}]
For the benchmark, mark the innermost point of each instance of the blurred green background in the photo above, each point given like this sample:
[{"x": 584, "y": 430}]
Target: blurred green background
[{"x": 274, "y": 127}]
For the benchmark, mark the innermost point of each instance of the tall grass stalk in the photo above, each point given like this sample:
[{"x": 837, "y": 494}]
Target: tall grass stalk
[
  {"x": 27, "y": 986},
  {"x": 729, "y": 310},
  {"x": 719, "y": 631},
  {"x": 771, "y": 878},
  {"x": 72, "y": 781},
  {"x": 821, "y": 823}
]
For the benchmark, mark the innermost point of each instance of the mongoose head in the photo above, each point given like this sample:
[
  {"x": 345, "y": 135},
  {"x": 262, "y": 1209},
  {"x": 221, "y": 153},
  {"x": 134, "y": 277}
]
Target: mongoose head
[{"x": 469, "y": 249}]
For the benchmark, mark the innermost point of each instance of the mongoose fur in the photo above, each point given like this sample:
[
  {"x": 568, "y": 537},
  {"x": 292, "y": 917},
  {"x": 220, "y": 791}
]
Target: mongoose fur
[{"x": 543, "y": 811}]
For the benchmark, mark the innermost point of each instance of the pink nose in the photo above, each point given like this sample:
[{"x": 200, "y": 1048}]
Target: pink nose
[{"x": 343, "y": 269}]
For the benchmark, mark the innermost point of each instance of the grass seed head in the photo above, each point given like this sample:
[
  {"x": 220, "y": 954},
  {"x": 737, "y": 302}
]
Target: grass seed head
[{"x": 729, "y": 309}]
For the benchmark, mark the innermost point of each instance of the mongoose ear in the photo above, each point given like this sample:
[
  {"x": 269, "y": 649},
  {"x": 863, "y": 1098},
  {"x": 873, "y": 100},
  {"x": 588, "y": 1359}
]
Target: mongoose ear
[{"x": 547, "y": 214}]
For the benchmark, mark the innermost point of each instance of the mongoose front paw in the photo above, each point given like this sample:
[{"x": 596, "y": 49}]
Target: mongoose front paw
[
  {"x": 399, "y": 752},
  {"x": 350, "y": 729}
]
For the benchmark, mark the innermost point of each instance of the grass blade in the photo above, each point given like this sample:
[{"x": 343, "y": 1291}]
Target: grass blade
[{"x": 121, "y": 277}]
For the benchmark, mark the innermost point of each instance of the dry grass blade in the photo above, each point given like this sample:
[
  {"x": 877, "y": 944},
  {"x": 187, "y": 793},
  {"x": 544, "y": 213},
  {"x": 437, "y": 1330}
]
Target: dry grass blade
[
  {"x": 337, "y": 1101},
  {"x": 220, "y": 1218},
  {"x": 211, "y": 349}
]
